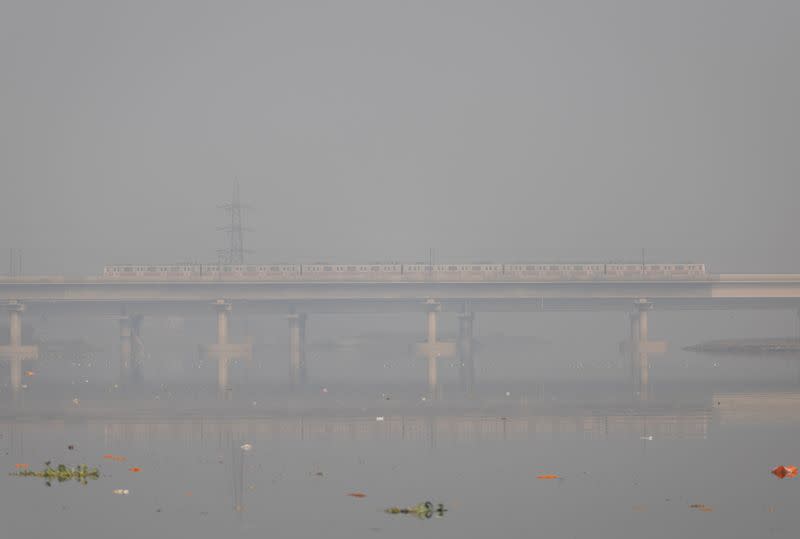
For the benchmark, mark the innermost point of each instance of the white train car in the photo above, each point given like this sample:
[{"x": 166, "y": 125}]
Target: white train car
[
  {"x": 132, "y": 272},
  {"x": 232, "y": 272},
  {"x": 351, "y": 272},
  {"x": 406, "y": 272}
]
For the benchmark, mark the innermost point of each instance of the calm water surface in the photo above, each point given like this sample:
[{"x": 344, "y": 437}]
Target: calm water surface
[{"x": 714, "y": 442}]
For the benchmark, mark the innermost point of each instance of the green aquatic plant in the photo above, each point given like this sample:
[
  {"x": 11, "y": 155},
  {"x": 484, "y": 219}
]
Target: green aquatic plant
[
  {"x": 62, "y": 473},
  {"x": 421, "y": 510}
]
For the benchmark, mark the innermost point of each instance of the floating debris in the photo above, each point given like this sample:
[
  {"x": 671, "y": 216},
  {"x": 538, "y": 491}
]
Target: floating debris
[
  {"x": 548, "y": 476},
  {"x": 21, "y": 466},
  {"x": 246, "y": 447},
  {"x": 71, "y": 447},
  {"x": 357, "y": 494},
  {"x": 62, "y": 473},
  {"x": 379, "y": 418},
  {"x": 135, "y": 469},
  {"x": 125, "y": 491},
  {"x": 701, "y": 507},
  {"x": 421, "y": 510},
  {"x": 648, "y": 438},
  {"x": 785, "y": 472},
  {"x": 30, "y": 373},
  {"x": 115, "y": 458}
]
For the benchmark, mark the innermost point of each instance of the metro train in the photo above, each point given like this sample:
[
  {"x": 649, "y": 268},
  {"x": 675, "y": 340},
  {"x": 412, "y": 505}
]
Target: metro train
[{"x": 407, "y": 272}]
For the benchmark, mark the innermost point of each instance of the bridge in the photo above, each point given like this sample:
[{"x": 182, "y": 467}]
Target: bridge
[{"x": 130, "y": 300}]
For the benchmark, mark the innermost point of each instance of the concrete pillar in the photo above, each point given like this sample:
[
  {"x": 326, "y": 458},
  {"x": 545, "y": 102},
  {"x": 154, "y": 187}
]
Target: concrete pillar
[
  {"x": 433, "y": 375},
  {"x": 633, "y": 347},
  {"x": 297, "y": 348},
  {"x": 465, "y": 351},
  {"x": 432, "y": 326},
  {"x": 15, "y": 323},
  {"x": 223, "y": 321},
  {"x": 137, "y": 350},
  {"x": 125, "y": 347},
  {"x": 642, "y": 325},
  {"x": 640, "y": 348},
  {"x": 797, "y": 326},
  {"x": 15, "y": 340},
  {"x": 223, "y": 309}
]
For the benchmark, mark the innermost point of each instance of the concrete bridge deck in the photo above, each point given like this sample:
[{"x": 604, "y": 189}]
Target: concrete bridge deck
[{"x": 717, "y": 292}]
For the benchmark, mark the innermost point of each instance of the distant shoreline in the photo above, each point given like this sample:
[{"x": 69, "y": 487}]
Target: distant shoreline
[{"x": 745, "y": 346}]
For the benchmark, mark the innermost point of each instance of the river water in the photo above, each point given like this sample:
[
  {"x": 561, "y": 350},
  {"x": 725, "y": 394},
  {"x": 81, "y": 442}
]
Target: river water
[{"x": 279, "y": 463}]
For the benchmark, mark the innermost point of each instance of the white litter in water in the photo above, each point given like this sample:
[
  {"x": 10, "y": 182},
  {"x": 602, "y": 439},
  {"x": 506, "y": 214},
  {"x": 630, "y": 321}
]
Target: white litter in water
[
  {"x": 324, "y": 389},
  {"x": 508, "y": 393},
  {"x": 379, "y": 418},
  {"x": 246, "y": 447},
  {"x": 121, "y": 491},
  {"x": 76, "y": 401},
  {"x": 647, "y": 438}
]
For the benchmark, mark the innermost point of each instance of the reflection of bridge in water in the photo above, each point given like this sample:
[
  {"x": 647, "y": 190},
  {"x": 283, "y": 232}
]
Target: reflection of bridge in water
[{"x": 223, "y": 433}]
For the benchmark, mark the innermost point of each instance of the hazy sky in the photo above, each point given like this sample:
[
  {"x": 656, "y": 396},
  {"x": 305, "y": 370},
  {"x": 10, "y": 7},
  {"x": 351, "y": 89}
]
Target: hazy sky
[{"x": 379, "y": 129}]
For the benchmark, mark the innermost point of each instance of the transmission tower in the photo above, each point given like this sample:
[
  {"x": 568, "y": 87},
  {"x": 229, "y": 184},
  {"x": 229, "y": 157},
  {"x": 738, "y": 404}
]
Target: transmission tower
[{"x": 234, "y": 254}]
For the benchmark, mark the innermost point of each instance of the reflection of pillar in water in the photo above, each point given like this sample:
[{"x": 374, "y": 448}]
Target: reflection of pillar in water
[{"x": 237, "y": 464}]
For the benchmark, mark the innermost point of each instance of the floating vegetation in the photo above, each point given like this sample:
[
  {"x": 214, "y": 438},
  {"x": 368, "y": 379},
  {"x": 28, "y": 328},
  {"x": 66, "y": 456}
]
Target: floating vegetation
[
  {"x": 61, "y": 473},
  {"x": 421, "y": 510}
]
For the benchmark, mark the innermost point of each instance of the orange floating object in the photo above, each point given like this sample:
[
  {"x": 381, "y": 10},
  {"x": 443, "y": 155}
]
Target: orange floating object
[
  {"x": 135, "y": 469},
  {"x": 21, "y": 466},
  {"x": 785, "y": 472},
  {"x": 357, "y": 494},
  {"x": 548, "y": 476},
  {"x": 30, "y": 373}
]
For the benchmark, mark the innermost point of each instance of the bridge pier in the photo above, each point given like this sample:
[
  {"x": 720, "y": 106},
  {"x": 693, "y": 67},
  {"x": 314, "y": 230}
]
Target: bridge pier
[
  {"x": 797, "y": 325},
  {"x": 466, "y": 361},
  {"x": 15, "y": 353},
  {"x": 137, "y": 348},
  {"x": 640, "y": 348},
  {"x": 297, "y": 349},
  {"x": 125, "y": 348},
  {"x": 223, "y": 326},
  {"x": 433, "y": 382}
]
